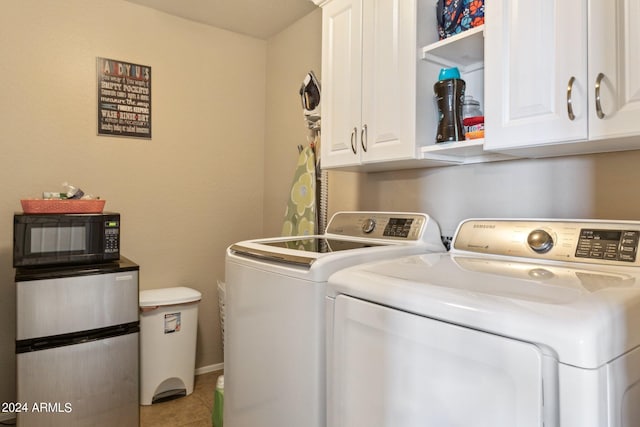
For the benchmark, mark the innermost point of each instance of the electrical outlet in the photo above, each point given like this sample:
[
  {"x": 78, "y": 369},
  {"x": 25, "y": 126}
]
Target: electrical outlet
[{"x": 446, "y": 241}]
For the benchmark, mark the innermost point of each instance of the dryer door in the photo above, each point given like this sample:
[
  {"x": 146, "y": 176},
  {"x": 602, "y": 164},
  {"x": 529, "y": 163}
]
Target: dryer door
[{"x": 395, "y": 369}]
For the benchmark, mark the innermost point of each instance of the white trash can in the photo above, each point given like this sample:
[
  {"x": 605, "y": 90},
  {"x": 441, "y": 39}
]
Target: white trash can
[{"x": 168, "y": 330}]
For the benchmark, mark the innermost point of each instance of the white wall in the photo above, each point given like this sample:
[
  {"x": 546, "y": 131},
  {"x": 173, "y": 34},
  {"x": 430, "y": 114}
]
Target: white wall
[
  {"x": 590, "y": 186},
  {"x": 185, "y": 195}
]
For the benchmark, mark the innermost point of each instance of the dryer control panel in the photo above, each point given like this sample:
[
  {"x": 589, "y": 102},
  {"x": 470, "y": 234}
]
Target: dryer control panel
[
  {"x": 614, "y": 245},
  {"x": 597, "y": 242}
]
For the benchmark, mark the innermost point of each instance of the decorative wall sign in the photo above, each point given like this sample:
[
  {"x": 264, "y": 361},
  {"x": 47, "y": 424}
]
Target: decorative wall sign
[{"x": 124, "y": 99}]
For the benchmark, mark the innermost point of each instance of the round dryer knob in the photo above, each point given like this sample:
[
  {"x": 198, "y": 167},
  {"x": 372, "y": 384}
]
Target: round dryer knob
[
  {"x": 369, "y": 225},
  {"x": 540, "y": 241}
]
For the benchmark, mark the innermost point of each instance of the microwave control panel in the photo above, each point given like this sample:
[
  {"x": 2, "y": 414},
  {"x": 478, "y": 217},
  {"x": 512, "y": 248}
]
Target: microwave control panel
[{"x": 111, "y": 237}]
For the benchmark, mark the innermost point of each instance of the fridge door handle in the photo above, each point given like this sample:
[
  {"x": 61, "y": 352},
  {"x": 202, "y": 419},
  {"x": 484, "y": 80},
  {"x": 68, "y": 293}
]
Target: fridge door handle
[{"x": 44, "y": 343}]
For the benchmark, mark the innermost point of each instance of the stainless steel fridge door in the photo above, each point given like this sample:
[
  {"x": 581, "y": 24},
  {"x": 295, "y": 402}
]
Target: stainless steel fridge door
[
  {"x": 89, "y": 384},
  {"x": 71, "y": 304}
]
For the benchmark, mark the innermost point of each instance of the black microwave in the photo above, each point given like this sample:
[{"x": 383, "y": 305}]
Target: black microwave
[{"x": 59, "y": 239}]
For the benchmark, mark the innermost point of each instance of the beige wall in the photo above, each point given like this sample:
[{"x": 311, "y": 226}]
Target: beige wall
[
  {"x": 291, "y": 54},
  {"x": 185, "y": 195}
]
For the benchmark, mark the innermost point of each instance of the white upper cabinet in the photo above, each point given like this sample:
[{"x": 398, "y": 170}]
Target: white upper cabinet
[
  {"x": 341, "y": 82},
  {"x": 380, "y": 60},
  {"x": 370, "y": 93},
  {"x": 554, "y": 77},
  {"x": 532, "y": 50},
  {"x": 551, "y": 66},
  {"x": 614, "y": 63},
  {"x": 389, "y": 89}
]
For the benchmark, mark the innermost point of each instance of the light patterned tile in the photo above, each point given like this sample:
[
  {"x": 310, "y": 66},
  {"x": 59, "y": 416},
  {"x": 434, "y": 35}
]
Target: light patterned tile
[{"x": 189, "y": 411}]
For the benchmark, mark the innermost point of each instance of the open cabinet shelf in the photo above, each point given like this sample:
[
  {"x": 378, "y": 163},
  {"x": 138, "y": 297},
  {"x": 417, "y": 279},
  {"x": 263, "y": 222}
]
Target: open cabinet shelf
[
  {"x": 461, "y": 152},
  {"x": 464, "y": 50}
]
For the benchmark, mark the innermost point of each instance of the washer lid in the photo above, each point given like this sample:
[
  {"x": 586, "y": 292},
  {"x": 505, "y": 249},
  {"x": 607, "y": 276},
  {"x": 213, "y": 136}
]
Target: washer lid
[
  {"x": 168, "y": 296},
  {"x": 583, "y": 316}
]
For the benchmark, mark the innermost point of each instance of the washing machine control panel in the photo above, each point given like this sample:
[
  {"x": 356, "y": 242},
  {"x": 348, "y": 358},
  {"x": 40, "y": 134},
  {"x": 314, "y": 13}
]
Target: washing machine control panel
[
  {"x": 379, "y": 225},
  {"x": 597, "y": 242},
  {"x": 540, "y": 241}
]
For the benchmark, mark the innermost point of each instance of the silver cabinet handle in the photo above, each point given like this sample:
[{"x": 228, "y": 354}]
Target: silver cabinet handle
[
  {"x": 599, "y": 111},
  {"x": 354, "y": 135},
  {"x": 569, "y": 105},
  {"x": 363, "y": 138}
]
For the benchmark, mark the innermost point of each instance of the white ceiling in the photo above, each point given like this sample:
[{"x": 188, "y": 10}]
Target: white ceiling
[{"x": 256, "y": 18}]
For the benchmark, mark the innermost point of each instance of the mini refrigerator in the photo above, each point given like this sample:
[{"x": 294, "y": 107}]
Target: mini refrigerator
[{"x": 77, "y": 353}]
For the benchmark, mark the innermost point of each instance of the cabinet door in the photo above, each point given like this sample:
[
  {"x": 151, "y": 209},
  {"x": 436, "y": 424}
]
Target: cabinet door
[
  {"x": 614, "y": 43},
  {"x": 388, "y": 80},
  {"x": 341, "y": 75},
  {"x": 532, "y": 51}
]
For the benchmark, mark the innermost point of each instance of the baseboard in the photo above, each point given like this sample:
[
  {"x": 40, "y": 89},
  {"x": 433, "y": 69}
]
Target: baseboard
[{"x": 210, "y": 368}]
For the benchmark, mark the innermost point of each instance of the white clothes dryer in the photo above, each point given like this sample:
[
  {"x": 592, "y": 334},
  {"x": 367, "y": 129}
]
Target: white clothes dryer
[
  {"x": 524, "y": 323},
  {"x": 274, "y": 362}
]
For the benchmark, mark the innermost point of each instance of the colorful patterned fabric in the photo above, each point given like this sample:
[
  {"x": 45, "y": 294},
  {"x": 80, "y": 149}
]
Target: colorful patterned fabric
[
  {"x": 456, "y": 16},
  {"x": 300, "y": 216}
]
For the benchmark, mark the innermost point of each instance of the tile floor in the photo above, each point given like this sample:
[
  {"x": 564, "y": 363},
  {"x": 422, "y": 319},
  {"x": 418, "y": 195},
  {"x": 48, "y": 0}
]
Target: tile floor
[
  {"x": 194, "y": 410},
  {"x": 189, "y": 411}
]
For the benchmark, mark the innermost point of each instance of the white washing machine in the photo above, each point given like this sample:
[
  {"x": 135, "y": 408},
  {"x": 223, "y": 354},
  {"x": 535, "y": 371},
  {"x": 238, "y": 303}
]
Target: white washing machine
[
  {"x": 275, "y": 315},
  {"x": 524, "y": 323}
]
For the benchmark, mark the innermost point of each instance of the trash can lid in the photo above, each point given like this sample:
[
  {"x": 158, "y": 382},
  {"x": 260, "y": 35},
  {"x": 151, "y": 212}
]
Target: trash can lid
[{"x": 168, "y": 296}]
